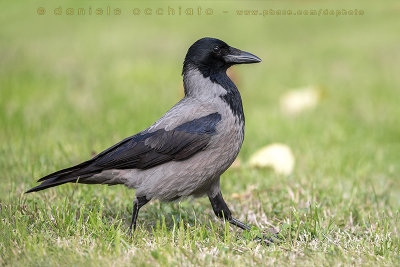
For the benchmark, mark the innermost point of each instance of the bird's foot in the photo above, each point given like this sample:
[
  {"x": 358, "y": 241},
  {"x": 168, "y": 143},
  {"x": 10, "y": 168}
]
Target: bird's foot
[
  {"x": 267, "y": 239},
  {"x": 129, "y": 232}
]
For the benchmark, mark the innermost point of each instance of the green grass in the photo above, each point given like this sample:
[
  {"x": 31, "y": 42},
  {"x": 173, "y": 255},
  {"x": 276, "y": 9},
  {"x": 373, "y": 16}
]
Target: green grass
[{"x": 72, "y": 86}]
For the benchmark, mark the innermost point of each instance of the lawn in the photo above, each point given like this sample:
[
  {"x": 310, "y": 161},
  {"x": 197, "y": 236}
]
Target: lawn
[{"x": 73, "y": 85}]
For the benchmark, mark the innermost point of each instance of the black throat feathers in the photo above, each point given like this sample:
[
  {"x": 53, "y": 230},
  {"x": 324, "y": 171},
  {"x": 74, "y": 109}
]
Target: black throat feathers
[{"x": 232, "y": 96}]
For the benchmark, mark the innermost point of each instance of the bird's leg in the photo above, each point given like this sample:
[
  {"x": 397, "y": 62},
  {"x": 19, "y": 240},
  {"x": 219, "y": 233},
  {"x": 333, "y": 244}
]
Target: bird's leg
[
  {"x": 137, "y": 204},
  {"x": 222, "y": 211}
]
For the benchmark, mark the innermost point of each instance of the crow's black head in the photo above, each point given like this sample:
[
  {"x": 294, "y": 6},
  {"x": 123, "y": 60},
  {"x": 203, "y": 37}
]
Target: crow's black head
[{"x": 210, "y": 56}]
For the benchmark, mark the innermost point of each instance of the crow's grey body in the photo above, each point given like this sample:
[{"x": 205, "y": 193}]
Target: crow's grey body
[
  {"x": 186, "y": 150},
  {"x": 200, "y": 173}
]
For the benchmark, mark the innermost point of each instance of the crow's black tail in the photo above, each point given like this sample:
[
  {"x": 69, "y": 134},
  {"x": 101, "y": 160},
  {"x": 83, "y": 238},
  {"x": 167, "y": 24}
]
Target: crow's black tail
[
  {"x": 50, "y": 183},
  {"x": 69, "y": 175}
]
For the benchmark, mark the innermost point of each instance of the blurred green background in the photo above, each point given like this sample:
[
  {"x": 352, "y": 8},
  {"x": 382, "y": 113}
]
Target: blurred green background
[{"x": 72, "y": 85}]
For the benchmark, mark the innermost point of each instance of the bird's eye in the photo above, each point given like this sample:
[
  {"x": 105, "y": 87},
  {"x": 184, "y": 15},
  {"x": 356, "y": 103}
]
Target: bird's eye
[{"x": 216, "y": 49}]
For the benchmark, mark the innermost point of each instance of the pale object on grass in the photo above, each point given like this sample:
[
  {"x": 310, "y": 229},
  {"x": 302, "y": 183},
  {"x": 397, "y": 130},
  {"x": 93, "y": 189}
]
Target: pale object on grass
[
  {"x": 279, "y": 157},
  {"x": 296, "y": 101},
  {"x": 236, "y": 164}
]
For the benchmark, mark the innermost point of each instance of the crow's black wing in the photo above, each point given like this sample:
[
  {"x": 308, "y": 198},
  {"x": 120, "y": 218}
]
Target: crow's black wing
[
  {"x": 142, "y": 151},
  {"x": 152, "y": 149}
]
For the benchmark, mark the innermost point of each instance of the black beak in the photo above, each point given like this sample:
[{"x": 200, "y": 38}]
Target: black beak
[{"x": 237, "y": 56}]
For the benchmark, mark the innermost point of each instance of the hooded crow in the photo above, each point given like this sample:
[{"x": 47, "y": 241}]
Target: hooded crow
[{"x": 185, "y": 152}]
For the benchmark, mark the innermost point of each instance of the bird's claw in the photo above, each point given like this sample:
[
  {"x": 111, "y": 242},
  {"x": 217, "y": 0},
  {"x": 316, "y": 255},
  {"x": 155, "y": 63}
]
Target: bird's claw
[
  {"x": 129, "y": 232},
  {"x": 267, "y": 239}
]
